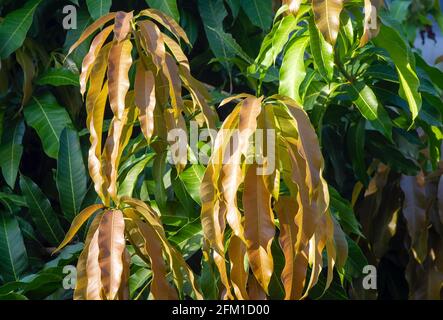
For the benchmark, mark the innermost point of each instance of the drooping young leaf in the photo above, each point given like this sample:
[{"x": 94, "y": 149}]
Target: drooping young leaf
[
  {"x": 327, "y": 18},
  {"x": 168, "y": 7},
  {"x": 15, "y": 26},
  {"x": 98, "y": 8},
  {"x": 259, "y": 226},
  {"x": 48, "y": 118},
  {"x": 120, "y": 61},
  {"x": 77, "y": 223},
  {"x": 41, "y": 211},
  {"x": 11, "y": 150},
  {"x": 111, "y": 244},
  {"x": 14, "y": 259},
  {"x": 71, "y": 174},
  {"x": 145, "y": 99}
]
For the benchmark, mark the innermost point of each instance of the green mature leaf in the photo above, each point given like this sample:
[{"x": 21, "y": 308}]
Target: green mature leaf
[
  {"x": 366, "y": 101},
  {"x": 14, "y": 259},
  {"x": 188, "y": 238},
  {"x": 293, "y": 70},
  {"x": 16, "y": 200},
  {"x": 12, "y": 296},
  {"x": 391, "y": 40},
  {"x": 259, "y": 12},
  {"x": 356, "y": 147},
  {"x": 342, "y": 210},
  {"x": 192, "y": 179},
  {"x": 15, "y": 26},
  {"x": 182, "y": 195},
  {"x": 223, "y": 45},
  {"x": 322, "y": 52},
  {"x": 137, "y": 280},
  {"x": 71, "y": 174},
  {"x": 98, "y": 8},
  {"x": 167, "y": 6},
  {"x": 58, "y": 77},
  {"x": 276, "y": 39},
  {"x": 158, "y": 172},
  {"x": 41, "y": 212},
  {"x": 356, "y": 260},
  {"x": 234, "y": 5},
  {"x": 126, "y": 188},
  {"x": 11, "y": 150},
  {"x": 48, "y": 119}
]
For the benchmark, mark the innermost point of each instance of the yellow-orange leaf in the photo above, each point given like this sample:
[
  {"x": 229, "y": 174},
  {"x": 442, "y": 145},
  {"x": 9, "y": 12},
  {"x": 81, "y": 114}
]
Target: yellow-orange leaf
[
  {"x": 150, "y": 243},
  {"x": 294, "y": 271},
  {"x": 154, "y": 42},
  {"x": 120, "y": 61},
  {"x": 89, "y": 59},
  {"x": 91, "y": 29},
  {"x": 111, "y": 242},
  {"x": 327, "y": 17},
  {"x": 259, "y": 226},
  {"x": 167, "y": 22},
  {"x": 81, "y": 286},
  {"x": 76, "y": 224},
  {"x": 239, "y": 276},
  {"x": 145, "y": 99}
]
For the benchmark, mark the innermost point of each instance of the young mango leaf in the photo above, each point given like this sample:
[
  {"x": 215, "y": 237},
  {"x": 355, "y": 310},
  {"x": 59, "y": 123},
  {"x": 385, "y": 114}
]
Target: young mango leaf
[
  {"x": 11, "y": 150},
  {"x": 15, "y": 26},
  {"x": 327, "y": 18},
  {"x": 166, "y": 6},
  {"x": 41, "y": 211},
  {"x": 71, "y": 174},
  {"x": 111, "y": 245},
  {"x": 98, "y": 8},
  {"x": 48, "y": 118},
  {"x": 259, "y": 12},
  {"x": 14, "y": 259},
  {"x": 58, "y": 77}
]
